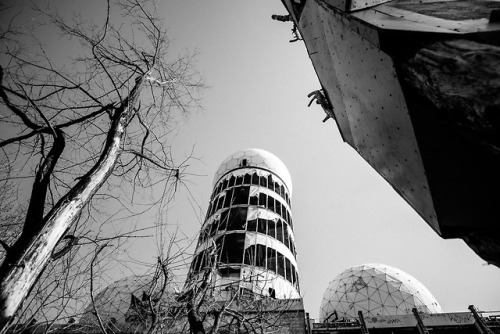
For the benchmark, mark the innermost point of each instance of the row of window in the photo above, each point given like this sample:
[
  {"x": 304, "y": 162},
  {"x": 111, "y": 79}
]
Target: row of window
[
  {"x": 241, "y": 196},
  {"x": 247, "y": 179},
  {"x": 235, "y": 219},
  {"x": 230, "y": 250}
]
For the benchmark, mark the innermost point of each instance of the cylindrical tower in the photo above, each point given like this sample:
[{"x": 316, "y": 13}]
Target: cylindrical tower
[{"x": 248, "y": 229}]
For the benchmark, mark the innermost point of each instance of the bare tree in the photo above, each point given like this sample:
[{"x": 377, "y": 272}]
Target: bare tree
[{"x": 75, "y": 132}]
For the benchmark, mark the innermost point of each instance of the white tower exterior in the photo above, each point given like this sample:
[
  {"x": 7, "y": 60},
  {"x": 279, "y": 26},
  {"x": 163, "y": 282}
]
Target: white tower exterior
[{"x": 249, "y": 227}]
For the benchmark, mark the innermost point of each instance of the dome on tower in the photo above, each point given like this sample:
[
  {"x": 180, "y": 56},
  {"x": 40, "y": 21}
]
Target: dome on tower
[
  {"x": 254, "y": 157},
  {"x": 375, "y": 289}
]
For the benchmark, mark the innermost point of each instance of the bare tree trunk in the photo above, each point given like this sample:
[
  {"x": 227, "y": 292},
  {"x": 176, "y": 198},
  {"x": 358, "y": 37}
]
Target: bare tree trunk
[{"x": 28, "y": 258}]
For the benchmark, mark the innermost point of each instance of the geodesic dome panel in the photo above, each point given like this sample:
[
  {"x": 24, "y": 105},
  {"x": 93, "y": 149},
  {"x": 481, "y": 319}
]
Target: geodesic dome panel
[
  {"x": 115, "y": 302},
  {"x": 375, "y": 289},
  {"x": 254, "y": 157}
]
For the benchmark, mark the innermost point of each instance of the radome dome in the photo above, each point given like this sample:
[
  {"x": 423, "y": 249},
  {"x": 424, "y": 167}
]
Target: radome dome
[{"x": 375, "y": 289}]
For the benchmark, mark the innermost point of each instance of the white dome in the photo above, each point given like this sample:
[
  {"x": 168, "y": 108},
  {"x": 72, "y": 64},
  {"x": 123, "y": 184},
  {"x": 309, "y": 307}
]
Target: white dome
[
  {"x": 115, "y": 300},
  {"x": 375, "y": 289},
  {"x": 255, "y": 158}
]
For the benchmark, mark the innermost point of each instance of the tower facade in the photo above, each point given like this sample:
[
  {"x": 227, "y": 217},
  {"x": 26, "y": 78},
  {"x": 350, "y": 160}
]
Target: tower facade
[{"x": 248, "y": 229}]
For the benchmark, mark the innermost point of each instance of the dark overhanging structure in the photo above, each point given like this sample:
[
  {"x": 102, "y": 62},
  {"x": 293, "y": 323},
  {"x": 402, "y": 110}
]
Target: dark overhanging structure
[{"x": 414, "y": 87}]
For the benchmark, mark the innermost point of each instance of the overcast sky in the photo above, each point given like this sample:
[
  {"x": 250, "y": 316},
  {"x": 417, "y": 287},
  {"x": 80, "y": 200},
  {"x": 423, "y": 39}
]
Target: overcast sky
[{"x": 345, "y": 214}]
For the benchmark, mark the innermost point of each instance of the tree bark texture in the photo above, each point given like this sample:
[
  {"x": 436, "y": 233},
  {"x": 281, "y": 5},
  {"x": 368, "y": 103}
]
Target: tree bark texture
[
  {"x": 462, "y": 78},
  {"x": 19, "y": 274}
]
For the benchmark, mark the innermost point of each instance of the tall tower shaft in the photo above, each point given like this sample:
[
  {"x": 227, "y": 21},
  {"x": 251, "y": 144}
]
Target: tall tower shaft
[{"x": 248, "y": 229}]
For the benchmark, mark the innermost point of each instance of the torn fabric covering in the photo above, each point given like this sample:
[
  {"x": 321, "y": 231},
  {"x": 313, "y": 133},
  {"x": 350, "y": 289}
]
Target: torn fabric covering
[
  {"x": 257, "y": 238},
  {"x": 257, "y": 212}
]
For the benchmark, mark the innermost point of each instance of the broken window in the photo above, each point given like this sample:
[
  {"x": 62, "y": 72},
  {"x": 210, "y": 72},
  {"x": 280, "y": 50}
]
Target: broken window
[
  {"x": 252, "y": 225},
  {"x": 229, "y": 196},
  {"x": 260, "y": 256},
  {"x": 270, "y": 182},
  {"x": 277, "y": 207},
  {"x": 280, "y": 264},
  {"x": 232, "y": 249},
  {"x": 255, "y": 179},
  {"x": 262, "y": 199},
  {"x": 220, "y": 202},
  {"x": 263, "y": 181},
  {"x": 239, "y": 180},
  {"x": 271, "y": 259},
  {"x": 271, "y": 228},
  {"x": 231, "y": 181},
  {"x": 240, "y": 195},
  {"x": 270, "y": 203},
  {"x": 254, "y": 200},
  {"x": 223, "y": 220},
  {"x": 237, "y": 219},
  {"x": 247, "y": 179},
  {"x": 261, "y": 227},
  {"x": 288, "y": 269},
  {"x": 279, "y": 230},
  {"x": 285, "y": 236},
  {"x": 250, "y": 255}
]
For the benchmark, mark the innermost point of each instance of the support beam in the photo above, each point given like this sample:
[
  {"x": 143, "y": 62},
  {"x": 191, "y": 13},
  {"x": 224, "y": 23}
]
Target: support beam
[{"x": 420, "y": 324}]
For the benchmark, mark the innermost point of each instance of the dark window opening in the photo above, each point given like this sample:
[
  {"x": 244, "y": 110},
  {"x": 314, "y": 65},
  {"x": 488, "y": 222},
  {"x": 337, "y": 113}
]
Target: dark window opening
[
  {"x": 230, "y": 272},
  {"x": 229, "y": 196},
  {"x": 260, "y": 256},
  {"x": 288, "y": 269},
  {"x": 262, "y": 199},
  {"x": 263, "y": 181},
  {"x": 254, "y": 200},
  {"x": 270, "y": 203},
  {"x": 271, "y": 259},
  {"x": 240, "y": 195},
  {"x": 281, "y": 264},
  {"x": 247, "y": 179},
  {"x": 237, "y": 219},
  {"x": 217, "y": 190},
  {"x": 271, "y": 228},
  {"x": 279, "y": 230},
  {"x": 276, "y": 187},
  {"x": 278, "y": 207},
  {"x": 255, "y": 179},
  {"x": 231, "y": 181},
  {"x": 224, "y": 184},
  {"x": 252, "y": 225},
  {"x": 285, "y": 236},
  {"x": 244, "y": 162},
  {"x": 250, "y": 255},
  {"x": 239, "y": 180},
  {"x": 220, "y": 201},
  {"x": 232, "y": 250},
  {"x": 270, "y": 182},
  {"x": 282, "y": 191},
  {"x": 223, "y": 220},
  {"x": 261, "y": 227}
]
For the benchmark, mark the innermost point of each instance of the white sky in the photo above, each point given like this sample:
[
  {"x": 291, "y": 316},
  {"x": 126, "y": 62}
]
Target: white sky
[{"x": 345, "y": 214}]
